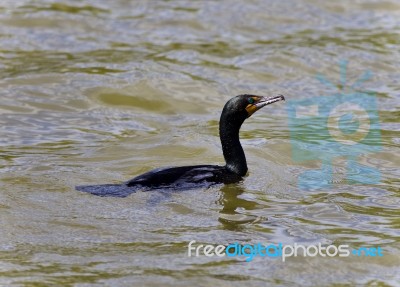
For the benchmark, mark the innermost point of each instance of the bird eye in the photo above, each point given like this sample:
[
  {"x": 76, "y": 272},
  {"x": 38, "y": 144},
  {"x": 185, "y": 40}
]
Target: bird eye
[{"x": 250, "y": 100}]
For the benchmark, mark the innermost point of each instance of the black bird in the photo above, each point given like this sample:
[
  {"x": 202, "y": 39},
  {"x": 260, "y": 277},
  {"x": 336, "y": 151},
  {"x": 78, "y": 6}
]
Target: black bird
[{"x": 235, "y": 112}]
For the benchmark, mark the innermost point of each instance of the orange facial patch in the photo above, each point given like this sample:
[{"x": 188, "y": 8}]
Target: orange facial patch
[{"x": 251, "y": 109}]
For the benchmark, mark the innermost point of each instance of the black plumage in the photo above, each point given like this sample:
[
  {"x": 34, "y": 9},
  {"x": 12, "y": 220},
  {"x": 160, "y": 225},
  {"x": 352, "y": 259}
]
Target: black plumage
[{"x": 234, "y": 113}]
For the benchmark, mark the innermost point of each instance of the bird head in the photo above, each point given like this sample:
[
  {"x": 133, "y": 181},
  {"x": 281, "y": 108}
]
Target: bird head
[{"x": 243, "y": 106}]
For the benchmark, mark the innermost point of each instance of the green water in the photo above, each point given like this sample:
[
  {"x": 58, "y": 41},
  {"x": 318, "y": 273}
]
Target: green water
[{"x": 101, "y": 91}]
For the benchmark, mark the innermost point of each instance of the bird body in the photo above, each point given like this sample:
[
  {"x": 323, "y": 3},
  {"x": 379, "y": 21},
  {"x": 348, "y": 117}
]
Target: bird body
[
  {"x": 177, "y": 177},
  {"x": 234, "y": 113}
]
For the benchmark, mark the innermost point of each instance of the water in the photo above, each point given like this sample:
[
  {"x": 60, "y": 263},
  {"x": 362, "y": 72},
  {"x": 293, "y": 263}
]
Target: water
[{"x": 99, "y": 92}]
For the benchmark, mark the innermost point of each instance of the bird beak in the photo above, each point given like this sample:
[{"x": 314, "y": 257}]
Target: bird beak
[
  {"x": 267, "y": 101},
  {"x": 262, "y": 102}
]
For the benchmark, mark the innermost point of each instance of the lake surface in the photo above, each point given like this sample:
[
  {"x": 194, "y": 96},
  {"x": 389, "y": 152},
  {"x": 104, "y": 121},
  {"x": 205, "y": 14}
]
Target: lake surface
[{"x": 101, "y": 91}]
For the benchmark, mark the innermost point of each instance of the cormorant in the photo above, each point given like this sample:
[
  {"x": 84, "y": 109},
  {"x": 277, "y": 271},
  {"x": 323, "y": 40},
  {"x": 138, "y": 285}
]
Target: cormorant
[{"x": 235, "y": 112}]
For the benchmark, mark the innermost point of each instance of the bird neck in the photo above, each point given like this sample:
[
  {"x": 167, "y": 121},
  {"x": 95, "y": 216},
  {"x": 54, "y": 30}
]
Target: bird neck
[{"x": 232, "y": 149}]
